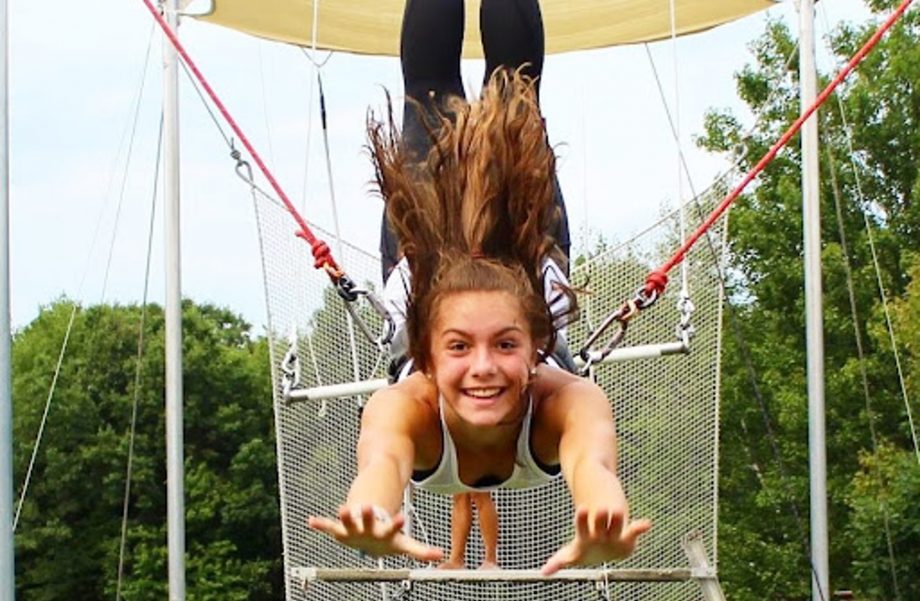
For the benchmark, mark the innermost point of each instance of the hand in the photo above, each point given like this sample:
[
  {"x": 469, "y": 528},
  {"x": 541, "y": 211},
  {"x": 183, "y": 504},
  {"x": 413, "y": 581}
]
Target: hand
[
  {"x": 362, "y": 527},
  {"x": 600, "y": 536}
]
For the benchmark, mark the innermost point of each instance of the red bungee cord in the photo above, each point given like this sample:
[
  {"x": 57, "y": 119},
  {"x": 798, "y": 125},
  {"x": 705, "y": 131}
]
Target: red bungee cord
[
  {"x": 658, "y": 279},
  {"x": 322, "y": 255}
]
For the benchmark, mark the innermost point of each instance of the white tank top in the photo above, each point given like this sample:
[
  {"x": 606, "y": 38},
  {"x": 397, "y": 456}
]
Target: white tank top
[{"x": 445, "y": 479}]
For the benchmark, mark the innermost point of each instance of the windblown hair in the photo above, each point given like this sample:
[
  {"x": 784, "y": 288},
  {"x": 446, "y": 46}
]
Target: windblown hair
[{"x": 475, "y": 214}]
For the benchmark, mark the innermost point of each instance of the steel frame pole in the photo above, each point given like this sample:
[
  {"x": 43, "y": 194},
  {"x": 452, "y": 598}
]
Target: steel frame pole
[
  {"x": 7, "y": 553},
  {"x": 175, "y": 470},
  {"x": 814, "y": 321}
]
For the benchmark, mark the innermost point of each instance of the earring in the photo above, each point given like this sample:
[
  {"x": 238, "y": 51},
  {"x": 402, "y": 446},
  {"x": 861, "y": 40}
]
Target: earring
[{"x": 533, "y": 371}]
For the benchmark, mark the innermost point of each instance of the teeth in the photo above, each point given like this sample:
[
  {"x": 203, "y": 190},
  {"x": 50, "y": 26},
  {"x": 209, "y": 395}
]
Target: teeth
[{"x": 483, "y": 393}]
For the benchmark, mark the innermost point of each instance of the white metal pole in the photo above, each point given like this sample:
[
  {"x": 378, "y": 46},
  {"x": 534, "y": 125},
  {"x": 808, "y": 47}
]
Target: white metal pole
[
  {"x": 7, "y": 573},
  {"x": 814, "y": 333},
  {"x": 175, "y": 472}
]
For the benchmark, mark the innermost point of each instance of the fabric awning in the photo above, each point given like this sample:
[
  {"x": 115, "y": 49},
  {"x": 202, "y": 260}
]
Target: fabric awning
[{"x": 372, "y": 26}]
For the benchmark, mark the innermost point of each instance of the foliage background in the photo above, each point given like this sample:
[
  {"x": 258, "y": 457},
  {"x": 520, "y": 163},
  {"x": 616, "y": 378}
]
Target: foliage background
[
  {"x": 67, "y": 537},
  {"x": 872, "y": 467},
  {"x": 67, "y": 540}
]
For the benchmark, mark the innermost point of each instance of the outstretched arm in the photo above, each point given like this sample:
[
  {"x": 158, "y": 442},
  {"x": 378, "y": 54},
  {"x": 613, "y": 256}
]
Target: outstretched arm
[
  {"x": 369, "y": 520},
  {"x": 385, "y": 451},
  {"x": 587, "y": 452}
]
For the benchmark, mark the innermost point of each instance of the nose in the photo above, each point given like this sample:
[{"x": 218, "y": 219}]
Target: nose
[{"x": 483, "y": 362}]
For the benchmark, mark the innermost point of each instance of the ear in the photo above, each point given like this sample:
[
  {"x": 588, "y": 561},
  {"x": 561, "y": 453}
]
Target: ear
[{"x": 540, "y": 352}]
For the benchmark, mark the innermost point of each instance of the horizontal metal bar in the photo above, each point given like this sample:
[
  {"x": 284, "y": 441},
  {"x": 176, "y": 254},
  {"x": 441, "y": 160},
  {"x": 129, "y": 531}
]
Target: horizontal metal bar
[
  {"x": 644, "y": 351},
  {"x": 350, "y": 389},
  {"x": 337, "y": 391},
  {"x": 308, "y": 575}
]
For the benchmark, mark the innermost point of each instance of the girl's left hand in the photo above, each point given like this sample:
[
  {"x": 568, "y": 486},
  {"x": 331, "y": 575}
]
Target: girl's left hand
[{"x": 602, "y": 535}]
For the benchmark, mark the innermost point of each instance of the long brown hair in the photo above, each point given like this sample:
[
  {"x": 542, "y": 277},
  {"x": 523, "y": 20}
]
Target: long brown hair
[{"x": 476, "y": 213}]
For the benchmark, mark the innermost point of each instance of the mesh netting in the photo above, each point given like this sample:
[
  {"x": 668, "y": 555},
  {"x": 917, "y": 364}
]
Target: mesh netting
[{"x": 666, "y": 411}]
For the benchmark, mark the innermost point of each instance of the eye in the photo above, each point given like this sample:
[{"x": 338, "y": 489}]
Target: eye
[
  {"x": 457, "y": 346},
  {"x": 508, "y": 345}
]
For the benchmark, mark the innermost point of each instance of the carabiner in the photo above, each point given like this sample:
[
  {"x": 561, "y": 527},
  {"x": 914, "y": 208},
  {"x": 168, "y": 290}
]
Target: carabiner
[
  {"x": 627, "y": 311},
  {"x": 592, "y": 357},
  {"x": 350, "y": 293}
]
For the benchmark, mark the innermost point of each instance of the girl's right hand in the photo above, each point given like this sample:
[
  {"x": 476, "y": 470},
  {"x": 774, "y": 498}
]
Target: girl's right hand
[{"x": 371, "y": 530}]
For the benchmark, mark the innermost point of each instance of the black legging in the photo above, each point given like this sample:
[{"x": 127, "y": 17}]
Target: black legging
[{"x": 430, "y": 48}]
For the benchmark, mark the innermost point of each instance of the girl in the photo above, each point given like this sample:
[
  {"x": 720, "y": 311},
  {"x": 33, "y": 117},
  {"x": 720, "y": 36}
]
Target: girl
[
  {"x": 432, "y": 36},
  {"x": 481, "y": 411}
]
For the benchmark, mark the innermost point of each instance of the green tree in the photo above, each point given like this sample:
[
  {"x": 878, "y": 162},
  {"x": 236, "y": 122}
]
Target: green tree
[
  {"x": 886, "y": 489},
  {"x": 68, "y": 537},
  {"x": 763, "y": 521}
]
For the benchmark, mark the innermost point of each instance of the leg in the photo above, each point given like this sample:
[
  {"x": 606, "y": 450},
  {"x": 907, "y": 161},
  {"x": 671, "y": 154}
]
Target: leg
[
  {"x": 461, "y": 519},
  {"x": 512, "y": 36},
  {"x": 488, "y": 527},
  {"x": 430, "y": 47}
]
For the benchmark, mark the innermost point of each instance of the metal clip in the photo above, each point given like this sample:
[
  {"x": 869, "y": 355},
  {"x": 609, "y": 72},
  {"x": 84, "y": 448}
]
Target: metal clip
[
  {"x": 290, "y": 367},
  {"x": 621, "y": 316},
  {"x": 350, "y": 293},
  {"x": 403, "y": 592},
  {"x": 645, "y": 299},
  {"x": 346, "y": 288},
  {"x": 602, "y": 588},
  {"x": 241, "y": 165},
  {"x": 685, "y": 330}
]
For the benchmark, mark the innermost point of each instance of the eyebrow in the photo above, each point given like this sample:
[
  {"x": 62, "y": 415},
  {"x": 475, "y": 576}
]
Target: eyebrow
[{"x": 498, "y": 334}]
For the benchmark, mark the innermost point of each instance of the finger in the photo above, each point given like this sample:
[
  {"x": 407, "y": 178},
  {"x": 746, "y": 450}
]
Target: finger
[
  {"x": 396, "y": 525},
  {"x": 330, "y": 527},
  {"x": 367, "y": 518},
  {"x": 581, "y": 522},
  {"x": 636, "y": 529},
  {"x": 417, "y": 550},
  {"x": 352, "y": 518},
  {"x": 562, "y": 558},
  {"x": 630, "y": 536},
  {"x": 599, "y": 522},
  {"x": 347, "y": 518},
  {"x": 399, "y": 518},
  {"x": 615, "y": 524}
]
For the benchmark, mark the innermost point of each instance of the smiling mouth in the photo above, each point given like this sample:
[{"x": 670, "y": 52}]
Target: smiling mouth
[{"x": 483, "y": 393}]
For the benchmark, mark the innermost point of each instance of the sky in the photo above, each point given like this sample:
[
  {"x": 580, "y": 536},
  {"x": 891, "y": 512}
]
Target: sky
[{"x": 85, "y": 97}]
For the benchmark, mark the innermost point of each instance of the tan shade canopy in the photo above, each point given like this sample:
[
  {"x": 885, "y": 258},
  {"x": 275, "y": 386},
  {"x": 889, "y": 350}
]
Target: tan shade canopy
[{"x": 372, "y": 26}]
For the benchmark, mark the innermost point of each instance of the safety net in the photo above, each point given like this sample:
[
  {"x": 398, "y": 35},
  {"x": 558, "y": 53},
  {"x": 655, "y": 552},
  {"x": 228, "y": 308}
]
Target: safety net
[{"x": 666, "y": 411}]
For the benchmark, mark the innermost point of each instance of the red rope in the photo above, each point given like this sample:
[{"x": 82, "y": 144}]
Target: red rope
[
  {"x": 321, "y": 254},
  {"x": 658, "y": 279}
]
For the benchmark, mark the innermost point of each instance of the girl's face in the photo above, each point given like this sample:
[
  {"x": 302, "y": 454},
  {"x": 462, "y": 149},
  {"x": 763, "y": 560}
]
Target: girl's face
[{"x": 481, "y": 356}]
